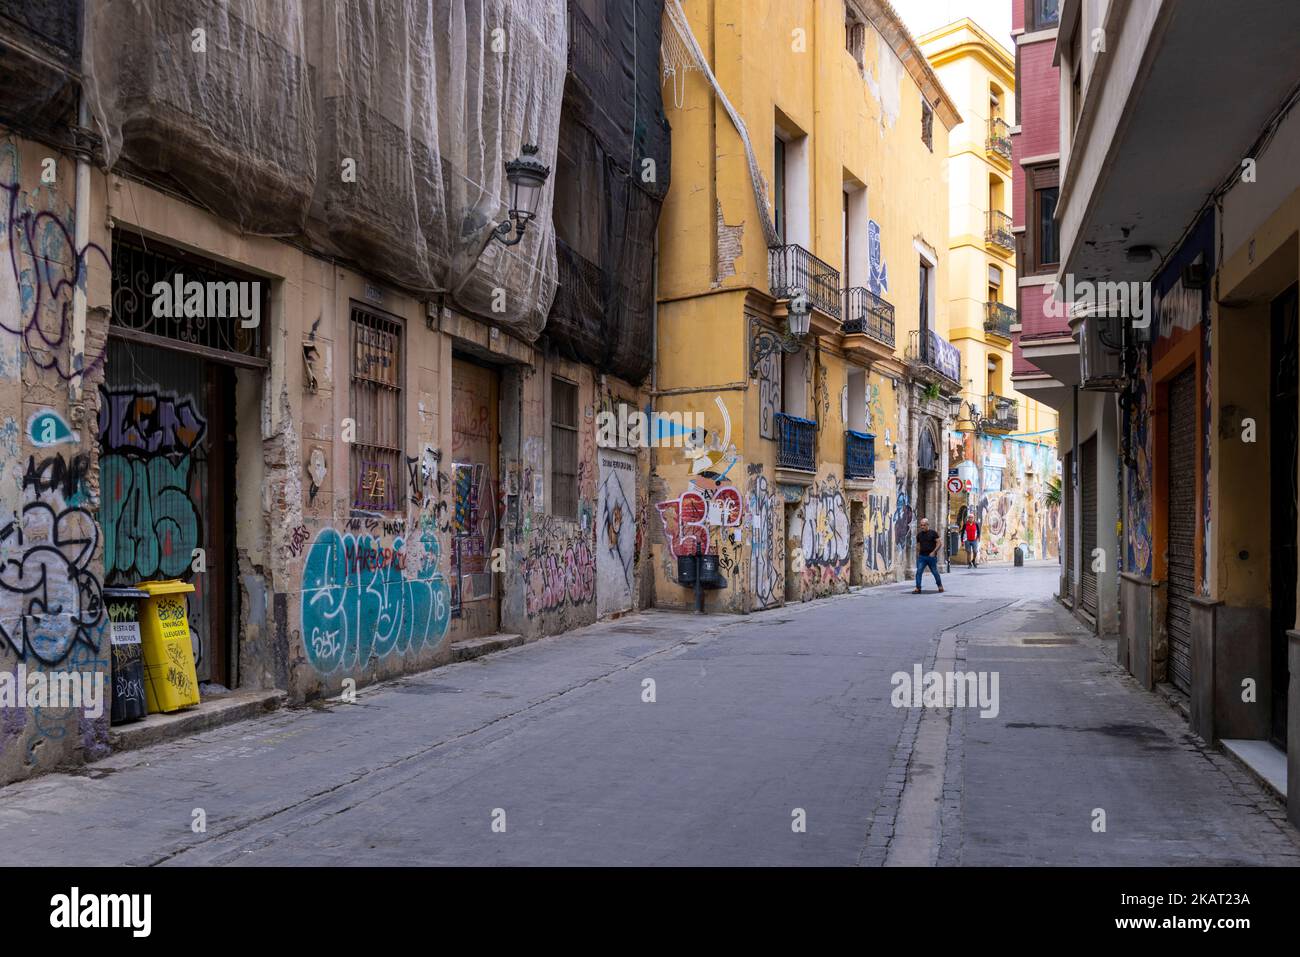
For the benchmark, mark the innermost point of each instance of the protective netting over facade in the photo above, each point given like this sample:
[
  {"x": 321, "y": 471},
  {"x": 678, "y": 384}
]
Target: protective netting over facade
[
  {"x": 376, "y": 129},
  {"x": 612, "y": 176}
]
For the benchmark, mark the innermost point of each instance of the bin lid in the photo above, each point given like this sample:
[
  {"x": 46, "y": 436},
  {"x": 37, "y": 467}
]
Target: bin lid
[
  {"x": 172, "y": 586},
  {"x": 119, "y": 591}
]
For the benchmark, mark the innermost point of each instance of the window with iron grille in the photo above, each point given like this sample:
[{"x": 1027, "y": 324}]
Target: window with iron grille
[
  {"x": 564, "y": 448},
  {"x": 927, "y": 126},
  {"x": 376, "y": 404}
]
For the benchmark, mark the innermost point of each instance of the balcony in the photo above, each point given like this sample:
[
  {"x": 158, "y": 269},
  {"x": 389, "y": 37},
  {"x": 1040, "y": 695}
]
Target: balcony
[
  {"x": 1002, "y": 414},
  {"x": 997, "y": 231},
  {"x": 859, "y": 455},
  {"x": 868, "y": 325},
  {"x": 794, "y": 271},
  {"x": 795, "y": 441},
  {"x": 999, "y": 318},
  {"x": 999, "y": 139},
  {"x": 588, "y": 56},
  {"x": 934, "y": 360},
  {"x": 576, "y": 316}
]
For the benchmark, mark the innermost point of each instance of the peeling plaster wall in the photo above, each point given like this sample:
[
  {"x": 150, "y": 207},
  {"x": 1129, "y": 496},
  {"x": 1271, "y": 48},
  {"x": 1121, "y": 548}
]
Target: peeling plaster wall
[
  {"x": 884, "y": 79},
  {"x": 53, "y": 619}
]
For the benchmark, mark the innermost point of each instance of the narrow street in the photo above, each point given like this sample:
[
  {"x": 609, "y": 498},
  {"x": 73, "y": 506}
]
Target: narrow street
[{"x": 753, "y": 718}]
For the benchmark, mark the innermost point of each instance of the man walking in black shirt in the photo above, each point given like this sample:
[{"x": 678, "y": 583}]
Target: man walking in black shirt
[{"x": 927, "y": 544}]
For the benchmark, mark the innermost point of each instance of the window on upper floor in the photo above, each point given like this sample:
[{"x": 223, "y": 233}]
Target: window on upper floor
[
  {"x": 926, "y": 317},
  {"x": 791, "y": 188},
  {"x": 1049, "y": 238},
  {"x": 1042, "y": 15},
  {"x": 855, "y": 37},
  {"x": 1041, "y": 238},
  {"x": 927, "y": 125},
  {"x": 564, "y": 448},
  {"x": 778, "y": 187}
]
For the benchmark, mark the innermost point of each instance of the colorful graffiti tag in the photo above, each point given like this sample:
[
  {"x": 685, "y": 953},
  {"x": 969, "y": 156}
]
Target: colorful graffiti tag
[
  {"x": 878, "y": 537},
  {"x": 824, "y": 536},
  {"x": 765, "y": 554},
  {"x": 687, "y": 519},
  {"x": 559, "y": 568},
  {"x": 358, "y": 601},
  {"x": 151, "y": 444}
]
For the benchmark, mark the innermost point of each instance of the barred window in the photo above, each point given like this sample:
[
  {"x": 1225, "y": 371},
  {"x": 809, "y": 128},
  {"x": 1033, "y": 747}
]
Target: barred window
[
  {"x": 376, "y": 411},
  {"x": 564, "y": 448},
  {"x": 927, "y": 125}
]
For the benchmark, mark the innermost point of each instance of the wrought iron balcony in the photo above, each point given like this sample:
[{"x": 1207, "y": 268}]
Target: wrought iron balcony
[
  {"x": 997, "y": 230},
  {"x": 999, "y": 318},
  {"x": 859, "y": 455},
  {"x": 867, "y": 313},
  {"x": 999, "y": 140},
  {"x": 795, "y": 440},
  {"x": 588, "y": 57},
  {"x": 1002, "y": 413},
  {"x": 793, "y": 270},
  {"x": 929, "y": 352}
]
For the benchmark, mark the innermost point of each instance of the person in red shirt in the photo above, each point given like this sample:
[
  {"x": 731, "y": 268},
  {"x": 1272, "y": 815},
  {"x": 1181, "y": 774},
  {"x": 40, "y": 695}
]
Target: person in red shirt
[{"x": 971, "y": 535}]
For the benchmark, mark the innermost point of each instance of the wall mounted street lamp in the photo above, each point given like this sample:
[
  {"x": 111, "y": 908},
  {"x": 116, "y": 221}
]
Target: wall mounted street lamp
[
  {"x": 798, "y": 320},
  {"x": 526, "y": 175},
  {"x": 799, "y": 315}
]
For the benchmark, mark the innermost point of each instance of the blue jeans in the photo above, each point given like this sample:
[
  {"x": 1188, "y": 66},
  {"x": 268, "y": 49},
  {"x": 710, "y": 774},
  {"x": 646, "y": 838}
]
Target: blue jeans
[{"x": 931, "y": 562}]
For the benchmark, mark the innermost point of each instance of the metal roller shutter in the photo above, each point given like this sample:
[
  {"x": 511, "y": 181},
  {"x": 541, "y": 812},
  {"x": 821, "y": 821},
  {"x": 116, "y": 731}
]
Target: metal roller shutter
[
  {"x": 1067, "y": 524},
  {"x": 1088, "y": 525},
  {"x": 1182, "y": 526}
]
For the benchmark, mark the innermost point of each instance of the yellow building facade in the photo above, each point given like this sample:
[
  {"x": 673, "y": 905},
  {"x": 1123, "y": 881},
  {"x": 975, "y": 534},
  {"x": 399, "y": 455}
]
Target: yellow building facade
[
  {"x": 1004, "y": 443},
  {"x": 810, "y": 141}
]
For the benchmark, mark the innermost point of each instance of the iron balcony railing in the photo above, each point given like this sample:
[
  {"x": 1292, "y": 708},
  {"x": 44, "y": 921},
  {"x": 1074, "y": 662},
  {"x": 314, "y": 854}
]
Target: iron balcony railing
[
  {"x": 1002, "y": 413},
  {"x": 867, "y": 313},
  {"x": 588, "y": 57},
  {"x": 999, "y": 318},
  {"x": 795, "y": 442},
  {"x": 793, "y": 270},
  {"x": 999, "y": 140},
  {"x": 928, "y": 348},
  {"x": 859, "y": 455},
  {"x": 997, "y": 230}
]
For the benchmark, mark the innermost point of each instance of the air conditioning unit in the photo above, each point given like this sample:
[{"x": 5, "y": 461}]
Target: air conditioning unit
[{"x": 1100, "y": 334}]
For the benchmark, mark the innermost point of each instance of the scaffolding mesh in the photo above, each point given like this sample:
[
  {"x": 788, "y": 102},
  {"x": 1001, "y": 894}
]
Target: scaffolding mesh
[{"x": 376, "y": 129}]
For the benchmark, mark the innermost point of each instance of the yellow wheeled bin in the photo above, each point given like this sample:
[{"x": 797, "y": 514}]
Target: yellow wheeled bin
[{"x": 170, "y": 682}]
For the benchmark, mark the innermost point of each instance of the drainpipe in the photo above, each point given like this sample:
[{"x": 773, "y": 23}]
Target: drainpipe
[{"x": 81, "y": 237}]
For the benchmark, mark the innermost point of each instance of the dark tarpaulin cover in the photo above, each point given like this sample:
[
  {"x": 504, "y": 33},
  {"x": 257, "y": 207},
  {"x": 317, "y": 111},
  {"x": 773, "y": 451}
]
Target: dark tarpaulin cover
[
  {"x": 612, "y": 176},
  {"x": 40, "y": 52}
]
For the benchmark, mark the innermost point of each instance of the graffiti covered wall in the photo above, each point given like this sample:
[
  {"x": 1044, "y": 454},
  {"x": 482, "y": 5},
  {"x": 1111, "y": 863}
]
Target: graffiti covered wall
[
  {"x": 1009, "y": 494},
  {"x": 565, "y": 571},
  {"x": 53, "y": 623}
]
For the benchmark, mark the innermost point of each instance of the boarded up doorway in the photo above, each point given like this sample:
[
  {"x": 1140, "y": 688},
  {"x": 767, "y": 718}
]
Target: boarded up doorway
[
  {"x": 475, "y": 515},
  {"x": 166, "y": 487},
  {"x": 615, "y": 532}
]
